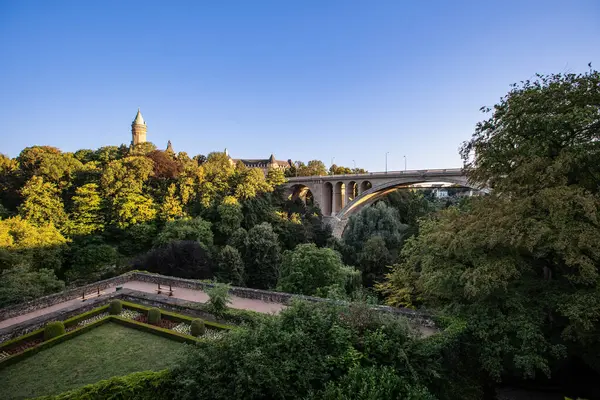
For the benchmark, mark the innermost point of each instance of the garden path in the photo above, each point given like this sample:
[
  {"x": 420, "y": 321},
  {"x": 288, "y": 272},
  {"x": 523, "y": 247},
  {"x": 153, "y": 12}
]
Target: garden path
[{"x": 180, "y": 293}]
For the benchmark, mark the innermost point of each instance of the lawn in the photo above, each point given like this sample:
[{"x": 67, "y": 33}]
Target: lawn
[{"x": 107, "y": 351}]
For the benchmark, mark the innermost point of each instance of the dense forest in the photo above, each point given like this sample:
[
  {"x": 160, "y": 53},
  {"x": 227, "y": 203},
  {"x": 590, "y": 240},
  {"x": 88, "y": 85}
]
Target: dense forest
[{"x": 511, "y": 278}]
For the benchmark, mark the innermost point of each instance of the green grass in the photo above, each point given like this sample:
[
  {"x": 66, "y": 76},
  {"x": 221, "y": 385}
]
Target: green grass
[{"x": 107, "y": 351}]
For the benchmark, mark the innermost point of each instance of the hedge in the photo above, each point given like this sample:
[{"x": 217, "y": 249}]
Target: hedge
[
  {"x": 88, "y": 314},
  {"x": 171, "y": 316},
  {"x": 147, "y": 385},
  {"x": 166, "y": 333}
]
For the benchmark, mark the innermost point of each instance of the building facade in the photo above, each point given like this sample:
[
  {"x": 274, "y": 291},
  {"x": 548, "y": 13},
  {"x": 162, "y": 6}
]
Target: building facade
[{"x": 264, "y": 164}]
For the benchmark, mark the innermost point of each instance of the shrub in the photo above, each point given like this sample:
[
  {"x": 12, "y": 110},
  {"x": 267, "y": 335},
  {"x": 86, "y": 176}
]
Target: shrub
[
  {"x": 115, "y": 307},
  {"x": 198, "y": 327},
  {"x": 218, "y": 298},
  {"x": 54, "y": 329},
  {"x": 154, "y": 316}
]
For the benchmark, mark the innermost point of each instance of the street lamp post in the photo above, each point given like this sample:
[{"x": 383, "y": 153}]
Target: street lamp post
[
  {"x": 354, "y": 164},
  {"x": 386, "y": 154}
]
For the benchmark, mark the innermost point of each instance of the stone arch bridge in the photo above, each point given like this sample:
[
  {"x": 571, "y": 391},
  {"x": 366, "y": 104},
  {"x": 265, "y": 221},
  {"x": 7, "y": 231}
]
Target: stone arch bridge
[{"x": 340, "y": 196}]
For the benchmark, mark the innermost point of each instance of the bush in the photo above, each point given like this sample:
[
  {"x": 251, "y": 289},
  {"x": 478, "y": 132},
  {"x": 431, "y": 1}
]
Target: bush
[
  {"x": 154, "y": 316},
  {"x": 54, "y": 329},
  {"x": 218, "y": 298},
  {"x": 137, "y": 386},
  {"x": 198, "y": 327},
  {"x": 115, "y": 307}
]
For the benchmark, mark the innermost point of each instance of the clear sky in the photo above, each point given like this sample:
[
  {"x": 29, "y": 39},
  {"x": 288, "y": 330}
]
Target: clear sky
[{"x": 303, "y": 79}]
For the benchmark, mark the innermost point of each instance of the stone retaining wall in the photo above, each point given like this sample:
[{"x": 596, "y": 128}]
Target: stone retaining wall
[
  {"x": 61, "y": 297},
  {"x": 247, "y": 293},
  {"x": 268, "y": 296}
]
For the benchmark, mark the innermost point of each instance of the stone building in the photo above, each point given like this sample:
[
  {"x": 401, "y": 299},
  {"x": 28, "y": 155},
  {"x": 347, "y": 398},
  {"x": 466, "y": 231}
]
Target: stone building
[
  {"x": 261, "y": 163},
  {"x": 138, "y": 129}
]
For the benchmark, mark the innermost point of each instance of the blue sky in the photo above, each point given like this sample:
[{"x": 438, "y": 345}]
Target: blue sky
[{"x": 301, "y": 79}]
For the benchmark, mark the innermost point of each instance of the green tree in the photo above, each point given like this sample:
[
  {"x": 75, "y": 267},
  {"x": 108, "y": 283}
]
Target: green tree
[
  {"x": 376, "y": 220},
  {"x": 31, "y": 246},
  {"x": 86, "y": 215},
  {"x": 262, "y": 257},
  {"x": 251, "y": 183},
  {"x": 217, "y": 171},
  {"x": 21, "y": 284},
  {"x": 230, "y": 266},
  {"x": 275, "y": 177},
  {"x": 374, "y": 260},
  {"x": 171, "y": 207},
  {"x": 308, "y": 268},
  {"x": 218, "y": 298},
  {"x": 520, "y": 266},
  {"x": 133, "y": 208},
  {"x": 230, "y": 216},
  {"x": 195, "y": 229},
  {"x": 313, "y": 168},
  {"x": 42, "y": 203},
  {"x": 126, "y": 175},
  {"x": 90, "y": 261}
]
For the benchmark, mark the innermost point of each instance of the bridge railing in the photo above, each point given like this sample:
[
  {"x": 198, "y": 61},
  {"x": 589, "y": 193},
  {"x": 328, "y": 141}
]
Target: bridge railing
[{"x": 414, "y": 172}]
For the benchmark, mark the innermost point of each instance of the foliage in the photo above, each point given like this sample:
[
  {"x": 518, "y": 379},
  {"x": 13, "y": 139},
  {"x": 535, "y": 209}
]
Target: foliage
[
  {"x": 115, "y": 307},
  {"x": 90, "y": 260},
  {"x": 376, "y": 228},
  {"x": 308, "y": 268},
  {"x": 20, "y": 284},
  {"x": 275, "y": 177},
  {"x": 171, "y": 208},
  {"x": 262, "y": 257},
  {"x": 218, "y": 298},
  {"x": 181, "y": 258},
  {"x": 54, "y": 329},
  {"x": 86, "y": 215},
  {"x": 230, "y": 216},
  {"x": 35, "y": 247},
  {"x": 374, "y": 383},
  {"x": 230, "y": 266},
  {"x": 147, "y": 385},
  {"x": 154, "y": 316},
  {"x": 196, "y": 229},
  {"x": 132, "y": 209},
  {"x": 42, "y": 203},
  {"x": 520, "y": 267},
  {"x": 198, "y": 328},
  {"x": 296, "y": 354}
]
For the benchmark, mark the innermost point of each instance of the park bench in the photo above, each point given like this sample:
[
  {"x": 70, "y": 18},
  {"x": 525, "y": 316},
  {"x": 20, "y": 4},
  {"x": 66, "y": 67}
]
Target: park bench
[
  {"x": 97, "y": 293},
  {"x": 164, "y": 290}
]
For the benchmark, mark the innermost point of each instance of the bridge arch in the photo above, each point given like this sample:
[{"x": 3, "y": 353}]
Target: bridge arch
[
  {"x": 302, "y": 192},
  {"x": 372, "y": 194}
]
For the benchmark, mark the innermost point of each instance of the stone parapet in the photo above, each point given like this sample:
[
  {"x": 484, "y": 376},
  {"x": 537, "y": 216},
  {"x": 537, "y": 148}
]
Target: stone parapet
[{"x": 69, "y": 294}]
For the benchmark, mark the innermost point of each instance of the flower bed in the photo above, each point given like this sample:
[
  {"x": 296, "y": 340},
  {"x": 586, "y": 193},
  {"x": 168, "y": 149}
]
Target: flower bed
[{"x": 209, "y": 334}]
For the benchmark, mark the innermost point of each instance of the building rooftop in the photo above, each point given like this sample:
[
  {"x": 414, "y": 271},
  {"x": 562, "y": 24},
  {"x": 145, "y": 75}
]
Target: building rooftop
[{"x": 139, "y": 120}]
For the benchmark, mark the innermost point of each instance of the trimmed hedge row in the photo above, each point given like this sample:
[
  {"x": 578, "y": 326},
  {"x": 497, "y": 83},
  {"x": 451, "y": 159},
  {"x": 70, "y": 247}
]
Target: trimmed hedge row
[
  {"x": 39, "y": 333},
  {"x": 171, "y": 316},
  {"x": 166, "y": 333},
  {"x": 51, "y": 342},
  {"x": 147, "y": 385}
]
